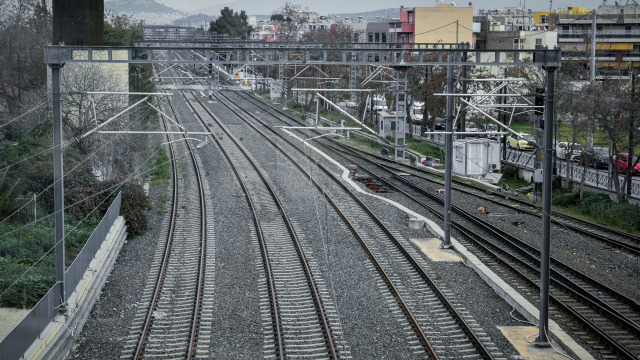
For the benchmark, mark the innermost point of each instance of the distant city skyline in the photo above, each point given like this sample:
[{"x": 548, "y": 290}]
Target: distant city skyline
[{"x": 260, "y": 7}]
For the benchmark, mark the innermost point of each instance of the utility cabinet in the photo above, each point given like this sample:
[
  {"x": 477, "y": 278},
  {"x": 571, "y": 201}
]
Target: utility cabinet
[{"x": 476, "y": 157}]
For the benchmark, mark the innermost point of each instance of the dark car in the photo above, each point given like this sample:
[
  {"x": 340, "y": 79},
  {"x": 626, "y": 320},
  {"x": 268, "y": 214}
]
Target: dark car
[{"x": 597, "y": 157}]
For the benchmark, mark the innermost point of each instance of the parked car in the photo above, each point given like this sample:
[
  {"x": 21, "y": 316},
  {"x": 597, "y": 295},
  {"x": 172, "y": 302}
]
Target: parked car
[
  {"x": 597, "y": 157},
  {"x": 622, "y": 162},
  {"x": 491, "y": 128},
  {"x": 521, "y": 141},
  {"x": 568, "y": 151},
  {"x": 470, "y": 127}
]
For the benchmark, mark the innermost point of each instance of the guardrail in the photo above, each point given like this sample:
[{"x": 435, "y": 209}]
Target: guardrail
[
  {"x": 595, "y": 178},
  {"x": 30, "y": 328}
]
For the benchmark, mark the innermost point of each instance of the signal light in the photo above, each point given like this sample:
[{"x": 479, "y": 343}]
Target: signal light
[{"x": 539, "y": 101}]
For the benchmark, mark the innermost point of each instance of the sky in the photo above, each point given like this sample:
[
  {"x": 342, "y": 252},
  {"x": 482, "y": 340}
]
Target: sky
[{"x": 339, "y": 6}]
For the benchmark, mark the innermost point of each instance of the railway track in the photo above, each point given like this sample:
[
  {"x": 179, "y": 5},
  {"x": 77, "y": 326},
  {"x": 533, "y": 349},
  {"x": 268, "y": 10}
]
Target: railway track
[
  {"x": 610, "y": 236},
  {"x": 395, "y": 260},
  {"x": 605, "y": 312},
  {"x": 167, "y": 325},
  {"x": 300, "y": 325},
  {"x": 613, "y": 237}
]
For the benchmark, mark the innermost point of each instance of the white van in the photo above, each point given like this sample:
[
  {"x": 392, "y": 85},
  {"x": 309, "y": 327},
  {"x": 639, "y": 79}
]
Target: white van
[{"x": 416, "y": 113}]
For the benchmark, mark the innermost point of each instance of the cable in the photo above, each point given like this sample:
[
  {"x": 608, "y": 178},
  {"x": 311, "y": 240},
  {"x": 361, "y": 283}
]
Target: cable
[
  {"x": 522, "y": 321},
  {"x": 432, "y": 30},
  {"x": 66, "y": 174},
  {"x": 553, "y": 347},
  {"x": 87, "y": 198},
  {"x": 31, "y": 110},
  {"x": 114, "y": 187}
]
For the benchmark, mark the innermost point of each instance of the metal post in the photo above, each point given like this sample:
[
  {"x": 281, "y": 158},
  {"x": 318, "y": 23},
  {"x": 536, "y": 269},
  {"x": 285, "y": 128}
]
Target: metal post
[
  {"x": 401, "y": 113},
  {"x": 317, "y": 110},
  {"x": 632, "y": 122},
  {"x": 463, "y": 112},
  {"x": 58, "y": 185},
  {"x": 448, "y": 158},
  {"x": 504, "y": 120},
  {"x": 592, "y": 73},
  {"x": 543, "y": 340}
]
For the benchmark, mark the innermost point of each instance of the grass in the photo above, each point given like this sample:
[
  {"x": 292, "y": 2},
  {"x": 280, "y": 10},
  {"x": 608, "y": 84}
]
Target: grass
[
  {"x": 161, "y": 173},
  {"x": 424, "y": 148}
]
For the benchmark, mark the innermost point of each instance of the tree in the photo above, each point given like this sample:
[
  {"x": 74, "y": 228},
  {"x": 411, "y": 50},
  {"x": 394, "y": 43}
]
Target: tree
[
  {"x": 611, "y": 106},
  {"x": 25, "y": 27},
  {"x": 232, "y": 24},
  {"x": 121, "y": 29}
]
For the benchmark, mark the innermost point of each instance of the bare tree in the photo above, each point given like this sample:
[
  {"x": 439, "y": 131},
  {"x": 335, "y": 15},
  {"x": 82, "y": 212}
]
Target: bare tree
[
  {"x": 610, "y": 104},
  {"x": 24, "y": 29}
]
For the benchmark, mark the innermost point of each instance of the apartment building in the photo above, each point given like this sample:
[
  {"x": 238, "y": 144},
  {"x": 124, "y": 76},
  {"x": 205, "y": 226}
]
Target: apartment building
[{"x": 444, "y": 23}]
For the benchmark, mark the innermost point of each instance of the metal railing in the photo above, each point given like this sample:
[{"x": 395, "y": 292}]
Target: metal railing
[
  {"x": 30, "y": 328},
  {"x": 620, "y": 32},
  {"x": 595, "y": 178}
]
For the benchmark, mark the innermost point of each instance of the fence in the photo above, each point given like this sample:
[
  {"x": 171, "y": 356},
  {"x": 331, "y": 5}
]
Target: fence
[
  {"x": 30, "y": 328},
  {"x": 599, "y": 179}
]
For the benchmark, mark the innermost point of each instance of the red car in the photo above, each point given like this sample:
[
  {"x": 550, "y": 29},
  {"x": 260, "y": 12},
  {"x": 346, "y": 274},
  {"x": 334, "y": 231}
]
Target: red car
[{"x": 622, "y": 162}]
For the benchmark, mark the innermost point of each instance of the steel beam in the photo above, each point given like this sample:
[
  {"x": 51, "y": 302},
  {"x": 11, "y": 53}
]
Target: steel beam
[
  {"x": 268, "y": 54},
  {"x": 58, "y": 186}
]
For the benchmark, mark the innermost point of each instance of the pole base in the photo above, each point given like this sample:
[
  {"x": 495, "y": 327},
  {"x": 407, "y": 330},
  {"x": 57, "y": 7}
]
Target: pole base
[{"x": 542, "y": 344}]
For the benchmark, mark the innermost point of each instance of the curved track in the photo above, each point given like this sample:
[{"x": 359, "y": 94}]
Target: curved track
[{"x": 167, "y": 326}]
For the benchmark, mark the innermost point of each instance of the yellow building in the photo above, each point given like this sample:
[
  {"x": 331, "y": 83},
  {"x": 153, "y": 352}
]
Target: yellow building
[
  {"x": 438, "y": 24},
  {"x": 433, "y": 25}
]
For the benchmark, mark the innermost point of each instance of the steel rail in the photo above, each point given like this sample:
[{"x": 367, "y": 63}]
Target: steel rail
[
  {"x": 163, "y": 267},
  {"x": 601, "y": 306},
  {"x": 314, "y": 291},
  {"x": 265, "y": 257},
  {"x": 465, "y": 327},
  {"x": 201, "y": 261},
  {"x": 634, "y": 249}
]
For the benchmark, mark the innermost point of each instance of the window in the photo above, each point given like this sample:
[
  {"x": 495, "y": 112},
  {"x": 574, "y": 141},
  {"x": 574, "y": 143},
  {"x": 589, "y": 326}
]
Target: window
[
  {"x": 370, "y": 37},
  {"x": 403, "y": 39},
  {"x": 410, "y": 18},
  {"x": 410, "y": 38},
  {"x": 377, "y": 37},
  {"x": 459, "y": 155},
  {"x": 384, "y": 37},
  {"x": 538, "y": 43}
]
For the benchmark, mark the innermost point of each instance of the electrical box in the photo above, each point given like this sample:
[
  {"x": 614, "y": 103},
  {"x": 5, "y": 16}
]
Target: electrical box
[{"x": 537, "y": 176}]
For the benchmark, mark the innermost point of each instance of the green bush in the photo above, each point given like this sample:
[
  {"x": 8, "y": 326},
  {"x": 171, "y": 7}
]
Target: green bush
[
  {"x": 565, "y": 199},
  {"x": 21, "y": 249},
  {"x": 134, "y": 204},
  {"x": 600, "y": 207}
]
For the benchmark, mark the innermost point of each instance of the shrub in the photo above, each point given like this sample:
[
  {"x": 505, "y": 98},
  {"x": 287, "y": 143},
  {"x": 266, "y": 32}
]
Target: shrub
[
  {"x": 566, "y": 199},
  {"x": 21, "y": 249},
  {"x": 134, "y": 205},
  {"x": 622, "y": 215}
]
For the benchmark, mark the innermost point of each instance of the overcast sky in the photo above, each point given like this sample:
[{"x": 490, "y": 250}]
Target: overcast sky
[{"x": 339, "y": 6}]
